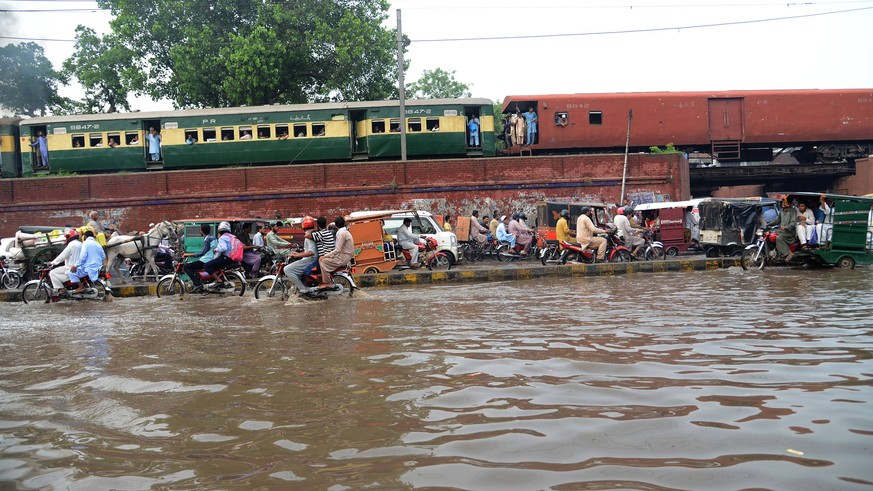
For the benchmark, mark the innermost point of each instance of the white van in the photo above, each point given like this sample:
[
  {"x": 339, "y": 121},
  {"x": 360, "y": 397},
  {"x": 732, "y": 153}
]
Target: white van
[{"x": 423, "y": 223}]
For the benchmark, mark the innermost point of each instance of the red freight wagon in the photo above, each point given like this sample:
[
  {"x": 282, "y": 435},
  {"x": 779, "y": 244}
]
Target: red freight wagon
[{"x": 824, "y": 125}]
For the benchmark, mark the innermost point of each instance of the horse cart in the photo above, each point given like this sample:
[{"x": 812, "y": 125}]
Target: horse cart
[{"x": 34, "y": 246}]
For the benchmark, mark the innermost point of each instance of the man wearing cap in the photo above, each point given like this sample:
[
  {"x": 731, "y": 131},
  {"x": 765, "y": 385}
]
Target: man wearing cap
[{"x": 503, "y": 235}]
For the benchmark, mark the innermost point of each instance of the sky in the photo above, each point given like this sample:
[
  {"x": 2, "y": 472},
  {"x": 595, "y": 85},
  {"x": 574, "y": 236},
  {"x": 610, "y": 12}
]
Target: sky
[{"x": 513, "y": 47}]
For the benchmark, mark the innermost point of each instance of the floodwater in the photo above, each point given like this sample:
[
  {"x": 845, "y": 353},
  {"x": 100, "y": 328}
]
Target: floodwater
[{"x": 699, "y": 380}]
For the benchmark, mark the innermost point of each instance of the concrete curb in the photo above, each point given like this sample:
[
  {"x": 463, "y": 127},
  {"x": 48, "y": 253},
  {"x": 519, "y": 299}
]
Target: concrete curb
[{"x": 506, "y": 272}]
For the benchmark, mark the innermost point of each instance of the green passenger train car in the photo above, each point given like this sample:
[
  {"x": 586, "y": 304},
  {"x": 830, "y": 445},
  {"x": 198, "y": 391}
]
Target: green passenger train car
[{"x": 285, "y": 134}]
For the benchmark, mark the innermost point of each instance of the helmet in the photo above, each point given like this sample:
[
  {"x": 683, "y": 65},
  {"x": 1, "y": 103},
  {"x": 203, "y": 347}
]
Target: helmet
[
  {"x": 515, "y": 215},
  {"x": 620, "y": 211},
  {"x": 628, "y": 210},
  {"x": 224, "y": 227},
  {"x": 522, "y": 215},
  {"x": 565, "y": 213},
  {"x": 70, "y": 234},
  {"x": 585, "y": 210},
  {"x": 308, "y": 222}
]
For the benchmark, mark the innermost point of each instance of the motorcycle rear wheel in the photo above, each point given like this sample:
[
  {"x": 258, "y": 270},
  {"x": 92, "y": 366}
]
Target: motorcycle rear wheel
[
  {"x": 239, "y": 283},
  {"x": 346, "y": 284},
  {"x": 655, "y": 252},
  {"x": 439, "y": 262}
]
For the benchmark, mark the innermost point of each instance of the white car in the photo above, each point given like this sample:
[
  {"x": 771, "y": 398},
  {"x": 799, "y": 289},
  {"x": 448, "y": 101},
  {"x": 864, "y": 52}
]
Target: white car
[{"x": 423, "y": 223}]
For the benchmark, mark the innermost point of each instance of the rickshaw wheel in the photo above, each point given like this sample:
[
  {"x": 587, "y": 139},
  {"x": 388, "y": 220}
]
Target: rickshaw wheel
[
  {"x": 372, "y": 270},
  {"x": 673, "y": 251},
  {"x": 713, "y": 252},
  {"x": 846, "y": 262}
]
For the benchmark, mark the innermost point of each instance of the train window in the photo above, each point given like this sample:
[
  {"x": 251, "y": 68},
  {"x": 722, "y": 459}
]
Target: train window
[
  {"x": 227, "y": 134},
  {"x": 318, "y": 129},
  {"x": 413, "y": 124},
  {"x": 433, "y": 124},
  {"x": 245, "y": 133},
  {"x": 131, "y": 138},
  {"x": 281, "y": 131},
  {"x": 595, "y": 117},
  {"x": 191, "y": 137},
  {"x": 209, "y": 134},
  {"x": 264, "y": 131},
  {"x": 95, "y": 140},
  {"x": 114, "y": 139},
  {"x": 378, "y": 126},
  {"x": 561, "y": 119},
  {"x": 395, "y": 126},
  {"x": 300, "y": 131},
  {"x": 78, "y": 141}
]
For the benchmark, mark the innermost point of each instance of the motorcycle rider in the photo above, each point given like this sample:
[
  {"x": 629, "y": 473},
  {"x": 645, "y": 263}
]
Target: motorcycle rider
[
  {"x": 69, "y": 256},
  {"x": 90, "y": 261},
  {"x": 585, "y": 230},
  {"x": 522, "y": 235},
  {"x": 324, "y": 243},
  {"x": 251, "y": 257},
  {"x": 626, "y": 232},
  {"x": 409, "y": 241},
  {"x": 294, "y": 271},
  {"x": 787, "y": 221},
  {"x": 222, "y": 254},
  {"x": 503, "y": 235},
  {"x": 562, "y": 229},
  {"x": 205, "y": 255},
  {"x": 339, "y": 257},
  {"x": 280, "y": 245},
  {"x": 477, "y": 231}
]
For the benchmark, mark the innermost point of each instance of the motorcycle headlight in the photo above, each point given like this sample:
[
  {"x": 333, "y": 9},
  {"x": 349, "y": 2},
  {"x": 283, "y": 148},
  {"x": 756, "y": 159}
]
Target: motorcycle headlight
[{"x": 759, "y": 233}]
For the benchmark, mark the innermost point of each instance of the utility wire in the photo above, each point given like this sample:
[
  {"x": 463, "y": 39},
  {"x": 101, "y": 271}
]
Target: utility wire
[{"x": 635, "y": 31}]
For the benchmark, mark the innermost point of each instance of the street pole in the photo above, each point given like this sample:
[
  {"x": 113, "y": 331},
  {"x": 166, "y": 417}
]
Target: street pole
[
  {"x": 402, "y": 88},
  {"x": 630, "y": 117}
]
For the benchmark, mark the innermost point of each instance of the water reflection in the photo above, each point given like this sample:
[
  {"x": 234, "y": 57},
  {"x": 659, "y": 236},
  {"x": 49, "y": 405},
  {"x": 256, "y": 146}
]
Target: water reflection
[{"x": 685, "y": 381}]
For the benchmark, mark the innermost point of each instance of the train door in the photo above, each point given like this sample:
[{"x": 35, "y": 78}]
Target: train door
[
  {"x": 474, "y": 131},
  {"x": 359, "y": 134},
  {"x": 726, "y": 127},
  {"x": 152, "y": 159},
  {"x": 39, "y": 154}
]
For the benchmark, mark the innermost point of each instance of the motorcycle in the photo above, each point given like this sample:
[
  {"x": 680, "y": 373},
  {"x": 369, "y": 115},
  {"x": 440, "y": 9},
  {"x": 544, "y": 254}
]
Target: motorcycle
[
  {"x": 561, "y": 252},
  {"x": 40, "y": 290},
  {"x": 652, "y": 249},
  {"x": 233, "y": 282},
  {"x": 428, "y": 255},
  {"x": 9, "y": 278},
  {"x": 763, "y": 252},
  {"x": 278, "y": 285}
]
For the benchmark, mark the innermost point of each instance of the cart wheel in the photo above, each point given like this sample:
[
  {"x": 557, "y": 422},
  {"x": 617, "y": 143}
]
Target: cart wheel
[
  {"x": 372, "y": 270},
  {"x": 43, "y": 256},
  {"x": 846, "y": 262},
  {"x": 673, "y": 251},
  {"x": 713, "y": 252}
]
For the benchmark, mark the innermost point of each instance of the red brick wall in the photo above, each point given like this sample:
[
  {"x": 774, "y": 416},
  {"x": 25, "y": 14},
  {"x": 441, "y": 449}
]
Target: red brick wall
[
  {"x": 859, "y": 184},
  {"x": 454, "y": 186}
]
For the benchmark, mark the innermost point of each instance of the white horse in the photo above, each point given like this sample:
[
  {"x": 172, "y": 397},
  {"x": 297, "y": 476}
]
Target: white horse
[{"x": 140, "y": 246}]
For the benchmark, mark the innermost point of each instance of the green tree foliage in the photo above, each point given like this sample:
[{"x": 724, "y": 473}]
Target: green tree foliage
[
  {"x": 230, "y": 52},
  {"x": 668, "y": 149},
  {"x": 438, "y": 84},
  {"x": 29, "y": 83},
  {"x": 105, "y": 68}
]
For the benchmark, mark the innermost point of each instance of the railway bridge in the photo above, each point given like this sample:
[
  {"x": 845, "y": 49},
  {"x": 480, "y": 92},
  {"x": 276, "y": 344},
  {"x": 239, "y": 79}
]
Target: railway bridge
[{"x": 798, "y": 177}]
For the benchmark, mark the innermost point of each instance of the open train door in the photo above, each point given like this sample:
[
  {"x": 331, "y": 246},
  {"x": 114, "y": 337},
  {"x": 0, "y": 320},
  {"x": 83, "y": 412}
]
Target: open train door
[
  {"x": 358, "y": 140},
  {"x": 726, "y": 129},
  {"x": 151, "y": 163}
]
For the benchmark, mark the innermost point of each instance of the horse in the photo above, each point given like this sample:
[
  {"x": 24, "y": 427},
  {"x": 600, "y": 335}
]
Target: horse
[{"x": 140, "y": 246}]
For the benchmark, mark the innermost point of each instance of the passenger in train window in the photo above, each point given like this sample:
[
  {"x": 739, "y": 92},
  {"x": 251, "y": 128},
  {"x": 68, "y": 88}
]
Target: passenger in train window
[
  {"x": 112, "y": 143},
  {"x": 261, "y": 135},
  {"x": 283, "y": 136},
  {"x": 246, "y": 135}
]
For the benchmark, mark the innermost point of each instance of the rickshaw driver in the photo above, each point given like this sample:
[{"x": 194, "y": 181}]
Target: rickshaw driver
[
  {"x": 787, "y": 220},
  {"x": 294, "y": 271},
  {"x": 585, "y": 231}
]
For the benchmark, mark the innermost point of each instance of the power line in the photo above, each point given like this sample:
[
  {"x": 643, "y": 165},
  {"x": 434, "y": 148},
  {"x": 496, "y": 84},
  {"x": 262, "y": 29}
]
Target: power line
[{"x": 635, "y": 31}]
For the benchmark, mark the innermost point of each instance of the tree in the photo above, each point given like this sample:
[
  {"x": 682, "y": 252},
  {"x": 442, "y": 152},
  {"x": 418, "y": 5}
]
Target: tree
[
  {"x": 29, "y": 85},
  {"x": 105, "y": 68},
  {"x": 229, "y": 53},
  {"x": 438, "y": 84}
]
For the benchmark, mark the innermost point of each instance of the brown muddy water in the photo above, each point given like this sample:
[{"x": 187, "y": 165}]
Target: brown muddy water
[{"x": 701, "y": 380}]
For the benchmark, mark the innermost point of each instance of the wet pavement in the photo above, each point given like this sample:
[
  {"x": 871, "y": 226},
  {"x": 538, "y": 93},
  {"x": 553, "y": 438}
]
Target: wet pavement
[{"x": 717, "y": 379}]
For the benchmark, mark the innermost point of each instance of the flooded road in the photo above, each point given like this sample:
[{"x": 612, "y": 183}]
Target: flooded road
[{"x": 701, "y": 380}]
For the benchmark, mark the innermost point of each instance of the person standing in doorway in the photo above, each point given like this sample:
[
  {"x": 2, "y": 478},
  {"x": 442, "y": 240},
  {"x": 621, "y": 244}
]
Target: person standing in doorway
[
  {"x": 42, "y": 143},
  {"x": 530, "y": 119},
  {"x": 154, "y": 139},
  {"x": 473, "y": 126}
]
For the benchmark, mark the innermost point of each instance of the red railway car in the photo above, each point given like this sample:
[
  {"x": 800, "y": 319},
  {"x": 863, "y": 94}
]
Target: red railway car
[{"x": 823, "y": 125}]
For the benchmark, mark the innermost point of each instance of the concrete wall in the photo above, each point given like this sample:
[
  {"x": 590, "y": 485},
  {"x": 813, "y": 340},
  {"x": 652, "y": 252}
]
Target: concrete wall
[
  {"x": 133, "y": 200},
  {"x": 738, "y": 191}
]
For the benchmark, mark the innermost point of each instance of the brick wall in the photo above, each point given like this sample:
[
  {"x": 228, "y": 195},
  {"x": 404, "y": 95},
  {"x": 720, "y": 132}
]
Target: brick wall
[{"x": 453, "y": 186}]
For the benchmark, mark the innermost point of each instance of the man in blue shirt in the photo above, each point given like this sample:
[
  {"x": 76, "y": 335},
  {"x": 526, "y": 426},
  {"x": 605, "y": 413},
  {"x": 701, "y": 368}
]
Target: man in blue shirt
[
  {"x": 530, "y": 118},
  {"x": 473, "y": 126},
  {"x": 90, "y": 261},
  {"x": 193, "y": 268},
  {"x": 43, "y": 151},
  {"x": 154, "y": 139}
]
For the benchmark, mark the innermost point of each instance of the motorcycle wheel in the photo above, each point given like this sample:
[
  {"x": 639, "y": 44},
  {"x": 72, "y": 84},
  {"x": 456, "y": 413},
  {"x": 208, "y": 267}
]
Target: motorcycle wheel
[
  {"x": 568, "y": 255},
  {"x": 239, "y": 283},
  {"x": 499, "y": 251},
  {"x": 545, "y": 255},
  {"x": 170, "y": 287},
  {"x": 621, "y": 256},
  {"x": 655, "y": 252},
  {"x": 748, "y": 260},
  {"x": 439, "y": 262},
  {"x": 264, "y": 286},
  {"x": 346, "y": 284},
  {"x": 35, "y": 293},
  {"x": 11, "y": 280},
  {"x": 101, "y": 290}
]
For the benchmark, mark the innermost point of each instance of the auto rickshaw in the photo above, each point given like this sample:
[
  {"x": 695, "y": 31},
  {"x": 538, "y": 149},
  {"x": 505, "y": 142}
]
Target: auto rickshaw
[
  {"x": 845, "y": 238},
  {"x": 728, "y": 225},
  {"x": 373, "y": 253},
  {"x": 671, "y": 231},
  {"x": 548, "y": 213}
]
